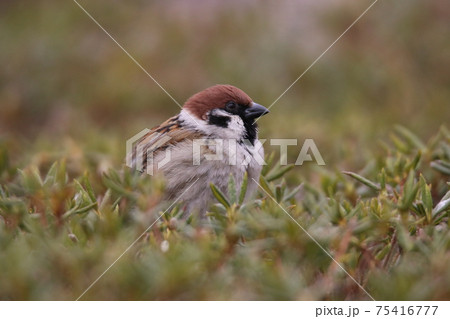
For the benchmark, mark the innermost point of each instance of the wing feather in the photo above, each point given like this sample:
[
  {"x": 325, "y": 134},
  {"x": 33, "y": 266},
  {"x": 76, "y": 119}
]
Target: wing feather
[{"x": 167, "y": 134}]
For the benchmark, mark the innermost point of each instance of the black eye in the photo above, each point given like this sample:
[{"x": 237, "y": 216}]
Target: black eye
[{"x": 231, "y": 107}]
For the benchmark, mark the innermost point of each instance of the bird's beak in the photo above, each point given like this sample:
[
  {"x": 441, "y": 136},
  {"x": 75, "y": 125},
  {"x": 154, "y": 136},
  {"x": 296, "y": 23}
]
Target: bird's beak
[{"x": 254, "y": 111}]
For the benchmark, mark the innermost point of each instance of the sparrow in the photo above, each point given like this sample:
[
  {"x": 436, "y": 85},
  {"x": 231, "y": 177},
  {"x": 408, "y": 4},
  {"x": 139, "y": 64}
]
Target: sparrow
[{"x": 215, "y": 136}]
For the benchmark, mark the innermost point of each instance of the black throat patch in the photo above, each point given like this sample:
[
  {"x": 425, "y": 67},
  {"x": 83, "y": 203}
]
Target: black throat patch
[
  {"x": 219, "y": 120},
  {"x": 251, "y": 130}
]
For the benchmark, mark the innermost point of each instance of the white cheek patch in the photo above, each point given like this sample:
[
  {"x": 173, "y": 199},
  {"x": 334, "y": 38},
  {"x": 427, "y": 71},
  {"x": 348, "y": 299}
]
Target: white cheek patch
[
  {"x": 235, "y": 128},
  {"x": 191, "y": 120}
]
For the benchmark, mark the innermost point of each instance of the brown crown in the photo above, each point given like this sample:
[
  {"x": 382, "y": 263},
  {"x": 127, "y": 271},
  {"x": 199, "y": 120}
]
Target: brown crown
[{"x": 215, "y": 97}]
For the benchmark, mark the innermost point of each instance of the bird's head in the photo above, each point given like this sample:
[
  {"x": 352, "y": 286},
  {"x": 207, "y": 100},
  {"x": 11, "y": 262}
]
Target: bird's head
[{"x": 226, "y": 110}]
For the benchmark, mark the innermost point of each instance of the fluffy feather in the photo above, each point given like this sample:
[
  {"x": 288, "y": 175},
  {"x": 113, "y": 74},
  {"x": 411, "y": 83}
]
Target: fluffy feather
[{"x": 217, "y": 113}]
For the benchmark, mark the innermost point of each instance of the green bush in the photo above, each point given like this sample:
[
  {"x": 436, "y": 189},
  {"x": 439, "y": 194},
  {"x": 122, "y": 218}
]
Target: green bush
[{"x": 387, "y": 225}]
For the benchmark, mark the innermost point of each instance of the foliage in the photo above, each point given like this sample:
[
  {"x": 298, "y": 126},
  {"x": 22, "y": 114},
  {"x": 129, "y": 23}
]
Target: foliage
[
  {"x": 70, "y": 98},
  {"x": 387, "y": 225}
]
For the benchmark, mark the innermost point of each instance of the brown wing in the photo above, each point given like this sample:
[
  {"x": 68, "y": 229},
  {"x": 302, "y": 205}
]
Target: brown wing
[{"x": 158, "y": 139}]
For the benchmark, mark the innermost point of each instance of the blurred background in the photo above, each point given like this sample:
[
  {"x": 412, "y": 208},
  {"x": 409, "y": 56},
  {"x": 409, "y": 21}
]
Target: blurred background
[
  {"x": 70, "y": 95},
  {"x": 66, "y": 86}
]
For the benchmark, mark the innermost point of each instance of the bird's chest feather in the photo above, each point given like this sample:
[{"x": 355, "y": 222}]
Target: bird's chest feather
[{"x": 210, "y": 161}]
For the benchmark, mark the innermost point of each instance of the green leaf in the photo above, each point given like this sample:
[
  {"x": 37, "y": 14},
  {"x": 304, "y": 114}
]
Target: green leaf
[
  {"x": 269, "y": 161},
  {"x": 51, "y": 174},
  {"x": 399, "y": 145},
  {"x": 87, "y": 185},
  {"x": 220, "y": 196},
  {"x": 427, "y": 200},
  {"x": 106, "y": 198},
  {"x": 80, "y": 210},
  {"x": 410, "y": 190},
  {"x": 112, "y": 181},
  {"x": 363, "y": 226},
  {"x": 447, "y": 195},
  {"x": 293, "y": 192},
  {"x": 61, "y": 173},
  {"x": 279, "y": 172},
  {"x": 31, "y": 179},
  {"x": 410, "y": 137},
  {"x": 278, "y": 193},
  {"x": 232, "y": 189},
  {"x": 383, "y": 179},
  {"x": 2, "y": 192},
  {"x": 404, "y": 239},
  {"x": 265, "y": 185},
  {"x": 419, "y": 209},
  {"x": 441, "y": 206},
  {"x": 441, "y": 166},
  {"x": 363, "y": 180},
  {"x": 383, "y": 252},
  {"x": 243, "y": 188},
  {"x": 415, "y": 162}
]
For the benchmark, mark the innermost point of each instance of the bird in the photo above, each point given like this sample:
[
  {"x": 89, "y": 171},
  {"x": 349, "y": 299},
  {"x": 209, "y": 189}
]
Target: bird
[{"x": 214, "y": 136}]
